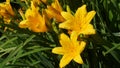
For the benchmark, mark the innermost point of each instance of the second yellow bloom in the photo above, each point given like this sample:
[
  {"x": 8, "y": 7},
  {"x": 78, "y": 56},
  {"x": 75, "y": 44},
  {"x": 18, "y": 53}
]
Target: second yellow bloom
[{"x": 80, "y": 22}]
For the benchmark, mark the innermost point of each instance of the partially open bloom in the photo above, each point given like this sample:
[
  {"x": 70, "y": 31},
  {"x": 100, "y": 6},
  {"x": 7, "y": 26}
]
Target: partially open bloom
[
  {"x": 54, "y": 11},
  {"x": 39, "y": 1},
  {"x": 6, "y": 11},
  {"x": 71, "y": 49},
  {"x": 80, "y": 22},
  {"x": 34, "y": 21}
]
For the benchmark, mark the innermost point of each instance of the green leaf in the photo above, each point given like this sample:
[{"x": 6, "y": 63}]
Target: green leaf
[{"x": 9, "y": 41}]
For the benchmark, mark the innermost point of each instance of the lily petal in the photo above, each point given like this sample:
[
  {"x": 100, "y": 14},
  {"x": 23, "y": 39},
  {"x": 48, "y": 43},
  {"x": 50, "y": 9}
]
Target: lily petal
[
  {"x": 58, "y": 50},
  {"x": 53, "y": 13},
  {"x": 81, "y": 12},
  {"x": 90, "y": 16},
  {"x": 78, "y": 59},
  {"x": 82, "y": 46},
  {"x": 74, "y": 36},
  {"x": 28, "y": 13},
  {"x": 65, "y": 41},
  {"x": 57, "y": 5},
  {"x": 67, "y": 15},
  {"x": 66, "y": 25},
  {"x": 23, "y": 24},
  {"x": 88, "y": 29},
  {"x": 65, "y": 60}
]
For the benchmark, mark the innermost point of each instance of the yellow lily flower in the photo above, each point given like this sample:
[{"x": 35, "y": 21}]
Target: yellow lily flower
[
  {"x": 54, "y": 11},
  {"x": 6, "y": 11},
  {"x": 34, "y": 21},
  {"x": 80, "y": 22},
  {"x": 71, "y": 49}
]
